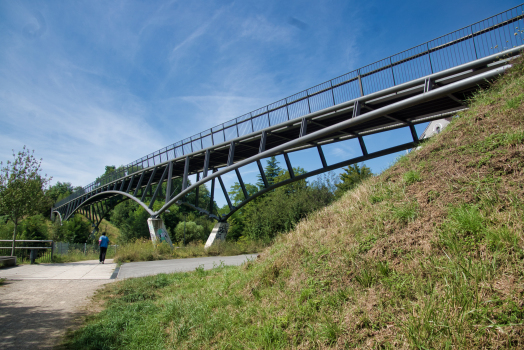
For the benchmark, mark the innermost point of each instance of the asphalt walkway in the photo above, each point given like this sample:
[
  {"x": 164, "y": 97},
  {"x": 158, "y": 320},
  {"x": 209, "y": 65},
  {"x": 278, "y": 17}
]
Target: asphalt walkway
[
  {"x": 149, "y": 268},
  {"x": 39, "y": 302},
  {"x": 80, "y": 270}
]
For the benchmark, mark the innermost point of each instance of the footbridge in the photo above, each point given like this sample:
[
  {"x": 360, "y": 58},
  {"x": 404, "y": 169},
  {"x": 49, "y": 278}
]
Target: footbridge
[{"x": 427, "y": 82}]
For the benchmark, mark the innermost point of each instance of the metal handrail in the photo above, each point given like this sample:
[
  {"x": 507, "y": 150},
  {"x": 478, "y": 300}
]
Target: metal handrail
[{"x": 481, "y": 39}]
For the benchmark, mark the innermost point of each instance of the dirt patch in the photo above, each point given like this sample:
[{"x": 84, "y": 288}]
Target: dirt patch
[{"x": 37, "y": 313}]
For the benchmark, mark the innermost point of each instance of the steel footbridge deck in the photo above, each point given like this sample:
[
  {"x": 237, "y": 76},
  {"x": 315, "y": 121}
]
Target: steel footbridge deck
[{"x": 427, "y": 82}]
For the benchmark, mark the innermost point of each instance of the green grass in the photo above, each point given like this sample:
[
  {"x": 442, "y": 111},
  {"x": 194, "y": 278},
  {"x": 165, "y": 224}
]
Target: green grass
[{"x": 431, "y": 258}]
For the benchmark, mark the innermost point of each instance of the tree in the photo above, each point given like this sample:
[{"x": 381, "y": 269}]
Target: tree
[
  {"x": 352, "y": 176},
  {"x": 193, "y": 232},
  {"x": 22, "y": 188},
  {"x": 271, "y": 171}
]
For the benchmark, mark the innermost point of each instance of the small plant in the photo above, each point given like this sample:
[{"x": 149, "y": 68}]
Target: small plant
[
  {"x": 366, "y": 278},
  {"x": 515, "y": 102},
  {"x": 384, "y": 269},
  {"x": 412, "y": 176},
  {"x": 200, "y": 270},
  {"x": 406, "y": 212}
]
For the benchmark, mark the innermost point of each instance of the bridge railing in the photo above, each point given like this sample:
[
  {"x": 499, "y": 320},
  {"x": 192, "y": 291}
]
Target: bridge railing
[{"x": 489, "y": 36}]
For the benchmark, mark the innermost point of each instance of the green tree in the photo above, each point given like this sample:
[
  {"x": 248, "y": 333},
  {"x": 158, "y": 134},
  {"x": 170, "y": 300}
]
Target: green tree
[
  {"x": 194, "y": 232},
  {"x": 237, "y": 195},
  {"x": 78, "y": 230},
  {"x": 22, "y": 188},
  {"x": 351, "y": 177},
  {"x": 60, "y": 189},
  {"x": 271, "y": 171}
]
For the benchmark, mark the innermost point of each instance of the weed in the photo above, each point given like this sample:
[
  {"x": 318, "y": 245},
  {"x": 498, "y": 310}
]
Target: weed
[
  {"x": 411, "y": 176},
  {"x": 406, "y": 212},
  {"x": 365, "y": 278}
]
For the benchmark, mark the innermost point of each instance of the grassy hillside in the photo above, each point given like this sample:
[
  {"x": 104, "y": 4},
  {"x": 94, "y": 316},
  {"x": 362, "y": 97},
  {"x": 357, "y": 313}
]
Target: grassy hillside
[{"x": 427, "y": 255}]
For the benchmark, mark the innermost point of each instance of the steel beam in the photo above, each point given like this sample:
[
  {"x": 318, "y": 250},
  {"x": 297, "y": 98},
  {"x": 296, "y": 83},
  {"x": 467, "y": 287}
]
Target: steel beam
[
  {"x": 130, "y": 183},
  {"x": 169, "y": 182},
  {"x": 206, "y": 163},
  {"x": 197, "y": 189},
  {"x": 362, "y": 145},
  {"x": 289, "y": 167},
  {"x": 212, "y": 197},
  {"x": 186, "y": 171},
  {"x": 241, "y": 182},
  {"x": 322, "y": 158},
  {"x": 231, "y": 155},
  {"x": 225, "y": 193},
  {"x": 139, "y": 183},
  {"x": 262, "y": 173},
  {"x": 303, "y": 127},
  {"x": 158, "y": 187},
  {"x": 263, "y": 138},
  {"x": 151, "y": 177}
]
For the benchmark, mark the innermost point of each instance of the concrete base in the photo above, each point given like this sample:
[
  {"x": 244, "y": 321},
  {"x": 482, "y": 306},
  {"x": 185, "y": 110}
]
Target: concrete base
[
  {"x": 219, "y": 233},
  {"x": 7, "y": 260},
  {"x": 158, "y": 231}
]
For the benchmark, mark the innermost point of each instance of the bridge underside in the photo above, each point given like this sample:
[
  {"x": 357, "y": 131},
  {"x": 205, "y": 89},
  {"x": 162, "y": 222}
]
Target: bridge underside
[
  {"x": 403, "y": 106},
  {"x": 427, "y": 82}
]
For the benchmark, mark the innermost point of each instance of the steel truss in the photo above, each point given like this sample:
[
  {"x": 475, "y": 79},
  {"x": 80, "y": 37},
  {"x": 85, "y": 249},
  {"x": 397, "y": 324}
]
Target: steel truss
[{"x": 432, "y": 97}]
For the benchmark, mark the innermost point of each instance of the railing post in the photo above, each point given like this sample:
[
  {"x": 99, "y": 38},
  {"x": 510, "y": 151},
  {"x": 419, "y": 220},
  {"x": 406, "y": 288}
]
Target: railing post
[
  {"x": 392, "y": 71},
  {"x": 360, "y": 83},
  {"x": 332, "y": 92},
  {"x": 429, "y": 57},
  {"x": 474, "y": 45}
]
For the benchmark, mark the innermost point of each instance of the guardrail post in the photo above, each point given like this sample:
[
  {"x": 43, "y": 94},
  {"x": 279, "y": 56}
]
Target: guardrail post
[{"x": 360, "y": 83}]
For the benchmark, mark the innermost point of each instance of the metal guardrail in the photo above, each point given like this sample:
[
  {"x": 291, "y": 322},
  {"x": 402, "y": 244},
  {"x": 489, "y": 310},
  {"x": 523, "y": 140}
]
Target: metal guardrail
[
  {"x": 492, "y": 35},
  {"x": 43, "y": 251}
]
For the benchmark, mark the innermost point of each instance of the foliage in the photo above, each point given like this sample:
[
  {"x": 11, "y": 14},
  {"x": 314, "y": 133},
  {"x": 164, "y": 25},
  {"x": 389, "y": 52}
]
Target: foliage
[
  {"x": 34, "y": 228},
  {"x": 351, "y": 177},
  {"x": 271, "y": 171},
  {"x": 61, "y": 190},
  {"x": 22, "y": 188},
  {"x": 279, "y": 210},
  {"x": 193, "y": 232},
  {"x": 79, "y": 230}
]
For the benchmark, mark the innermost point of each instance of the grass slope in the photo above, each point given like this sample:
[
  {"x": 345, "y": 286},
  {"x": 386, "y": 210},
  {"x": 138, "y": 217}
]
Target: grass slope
[{"x": 427, "y": 255}]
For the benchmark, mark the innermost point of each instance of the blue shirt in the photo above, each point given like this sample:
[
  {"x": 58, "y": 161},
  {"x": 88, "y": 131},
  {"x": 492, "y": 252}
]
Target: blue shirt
[{"x": 104, "y": 241}]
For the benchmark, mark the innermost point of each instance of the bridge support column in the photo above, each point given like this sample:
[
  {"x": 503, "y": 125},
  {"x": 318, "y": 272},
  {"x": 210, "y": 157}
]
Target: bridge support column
[
  {"x": 219, "y": 233},
  {"x": 158, "y": 231}
]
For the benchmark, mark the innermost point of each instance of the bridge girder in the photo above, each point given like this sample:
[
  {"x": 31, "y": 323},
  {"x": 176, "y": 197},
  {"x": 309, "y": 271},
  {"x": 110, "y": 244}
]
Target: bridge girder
[{"x": 405, "y": 105}]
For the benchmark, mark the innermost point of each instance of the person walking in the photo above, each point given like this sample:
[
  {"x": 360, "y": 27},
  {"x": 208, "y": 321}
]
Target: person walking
[{"x": 103, "y": 242}]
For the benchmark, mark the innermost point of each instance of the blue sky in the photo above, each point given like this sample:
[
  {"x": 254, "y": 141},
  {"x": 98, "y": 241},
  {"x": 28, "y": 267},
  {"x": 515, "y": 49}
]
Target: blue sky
[{"x": 93, "y": 83}]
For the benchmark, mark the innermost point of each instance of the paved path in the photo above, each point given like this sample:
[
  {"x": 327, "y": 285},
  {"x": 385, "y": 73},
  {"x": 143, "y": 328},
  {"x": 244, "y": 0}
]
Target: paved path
[
  {"x": 148, "y": 268},
  {"x": 81, "y": 270},
  {"x": 39, "y": 302}
]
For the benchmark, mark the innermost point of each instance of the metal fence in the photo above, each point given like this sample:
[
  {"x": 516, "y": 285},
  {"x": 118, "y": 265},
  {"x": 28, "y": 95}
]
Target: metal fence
[
  {"x": 64, "y": 248},
  {"x": 42, "y": 250},
  {"x": 492, "y": 35}
]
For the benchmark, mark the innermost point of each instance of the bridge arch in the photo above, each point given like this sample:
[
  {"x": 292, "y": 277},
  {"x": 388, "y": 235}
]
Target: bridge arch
[{"x": 366, "y": 101}]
